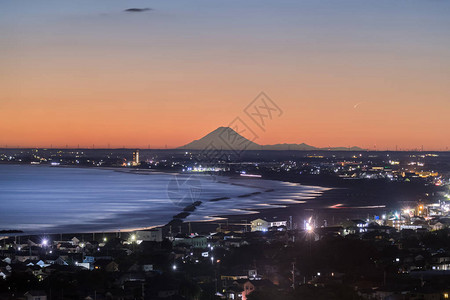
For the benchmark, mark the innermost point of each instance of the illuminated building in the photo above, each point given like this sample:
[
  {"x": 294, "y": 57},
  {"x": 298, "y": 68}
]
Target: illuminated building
[
  {"x": 136, "y": 158},
  {"x": 421, "y": 210},
  {"x": 152, "y": 235},
  {"x": 396, "y": 223},
  {"x": 264, "y": 225},
  {"x": 259, "y": 225},
  {"x": 424, "y": 174}
]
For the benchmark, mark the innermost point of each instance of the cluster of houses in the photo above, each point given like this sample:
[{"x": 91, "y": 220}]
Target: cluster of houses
[{"x": 43, "y": 257}]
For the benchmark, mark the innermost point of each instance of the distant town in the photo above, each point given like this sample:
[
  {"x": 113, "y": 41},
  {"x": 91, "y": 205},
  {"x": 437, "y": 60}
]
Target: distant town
[{"x": 429, "y": 167}]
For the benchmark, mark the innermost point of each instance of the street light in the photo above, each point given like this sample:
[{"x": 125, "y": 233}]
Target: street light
[{"x": 308, "y": 225}]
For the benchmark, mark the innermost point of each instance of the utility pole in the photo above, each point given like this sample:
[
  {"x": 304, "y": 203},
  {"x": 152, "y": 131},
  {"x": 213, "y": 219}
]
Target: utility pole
[
  {"x": 293, "y": 275},
  {"x": 215, "y": 277},
  {"x": 290, "y": 223}
]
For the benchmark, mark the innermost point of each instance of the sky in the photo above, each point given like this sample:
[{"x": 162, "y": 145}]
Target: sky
[{"x": 374, "y": 74}]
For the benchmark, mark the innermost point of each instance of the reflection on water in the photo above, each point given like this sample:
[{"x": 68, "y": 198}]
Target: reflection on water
[{"x": 46, "y": 199}]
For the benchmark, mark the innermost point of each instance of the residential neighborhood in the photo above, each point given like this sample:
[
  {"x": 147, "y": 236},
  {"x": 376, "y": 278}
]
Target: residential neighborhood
[{"x": 263, "y": 258}]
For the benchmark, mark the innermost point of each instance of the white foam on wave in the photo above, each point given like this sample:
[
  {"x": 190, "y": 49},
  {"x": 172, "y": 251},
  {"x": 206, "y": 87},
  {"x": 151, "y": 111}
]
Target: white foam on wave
[{"x": 47, "y": 199}]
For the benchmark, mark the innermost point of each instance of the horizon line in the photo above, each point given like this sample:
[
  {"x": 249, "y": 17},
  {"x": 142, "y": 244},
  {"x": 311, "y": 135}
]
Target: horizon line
[{"x": 346, "y": 149}]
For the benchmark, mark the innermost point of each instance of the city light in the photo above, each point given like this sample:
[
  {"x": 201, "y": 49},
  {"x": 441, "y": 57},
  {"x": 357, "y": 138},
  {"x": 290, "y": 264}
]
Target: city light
[{"x": 308, "y": 226}]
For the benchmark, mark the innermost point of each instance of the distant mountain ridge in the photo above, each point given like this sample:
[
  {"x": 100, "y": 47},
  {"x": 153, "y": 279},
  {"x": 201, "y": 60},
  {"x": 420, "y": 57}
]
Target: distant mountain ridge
[{"x": 225, "y": 138}]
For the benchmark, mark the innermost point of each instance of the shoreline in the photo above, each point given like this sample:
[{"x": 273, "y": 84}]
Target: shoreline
[
  {"x": 189, "y": 209},
  {"x": 336, "y": 200}
]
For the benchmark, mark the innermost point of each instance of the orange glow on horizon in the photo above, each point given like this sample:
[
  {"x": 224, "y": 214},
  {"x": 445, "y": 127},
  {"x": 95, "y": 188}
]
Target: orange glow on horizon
[
  {"x": 155, "y": 123},
  {"x": 160, "y": 117},
  {"x": 92, "y": 74}
]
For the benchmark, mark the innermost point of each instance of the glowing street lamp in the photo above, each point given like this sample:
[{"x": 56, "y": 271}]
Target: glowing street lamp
[{"x": 308, "y": 225}]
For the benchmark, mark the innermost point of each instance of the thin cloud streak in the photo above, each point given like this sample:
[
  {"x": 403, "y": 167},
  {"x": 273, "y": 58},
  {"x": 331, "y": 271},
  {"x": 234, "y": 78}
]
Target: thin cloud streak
[{"x": 136, "y": 10}]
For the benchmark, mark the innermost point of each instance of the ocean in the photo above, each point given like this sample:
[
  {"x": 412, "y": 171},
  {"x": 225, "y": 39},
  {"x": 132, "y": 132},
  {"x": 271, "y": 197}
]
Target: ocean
[{"x": 45, "y": 199}]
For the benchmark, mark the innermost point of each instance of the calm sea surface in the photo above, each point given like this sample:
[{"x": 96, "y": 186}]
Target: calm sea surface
[{"x": 39, "y": 199}]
